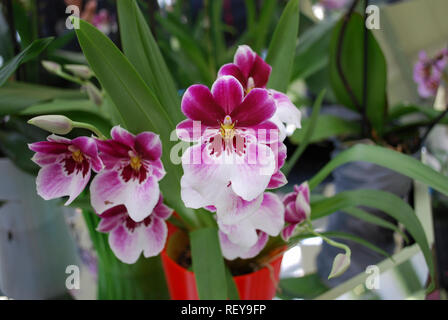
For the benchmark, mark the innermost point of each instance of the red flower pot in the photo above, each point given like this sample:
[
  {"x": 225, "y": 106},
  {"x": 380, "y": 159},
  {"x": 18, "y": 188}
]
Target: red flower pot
[{"x": 259, "y": 285}]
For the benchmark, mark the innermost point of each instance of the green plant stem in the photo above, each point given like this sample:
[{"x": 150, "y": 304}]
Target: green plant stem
[
  {"x": 90, "y": 127},
  {"x": 333, "y": 243}
]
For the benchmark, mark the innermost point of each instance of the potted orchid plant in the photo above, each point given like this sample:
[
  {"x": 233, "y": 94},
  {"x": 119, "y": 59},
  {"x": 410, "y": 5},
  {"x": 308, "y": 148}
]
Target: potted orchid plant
[{"x": 179, "y": 197}]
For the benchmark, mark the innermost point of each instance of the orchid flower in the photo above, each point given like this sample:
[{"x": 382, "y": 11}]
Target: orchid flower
[
  {"x": 131, "y": 174},
  {"x": 65, "y": 166},
  {"x": 232, "y": 163},
  {"x": 333, "y": 4},
  {"x": 128, "y": 239},
  {"x": 253, "y": 72},
  {"x": 248, "y": 237},
  {"x": 429, "y": 72},
  {"x": 297, "y": 208}
]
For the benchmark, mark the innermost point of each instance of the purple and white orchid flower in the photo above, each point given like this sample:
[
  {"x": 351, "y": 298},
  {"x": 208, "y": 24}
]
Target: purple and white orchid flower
[
  {"x": 128, "y": 239},
  {"x": 429, "y": 72},
  {"x": 297, "y": 208},
  {"x": 65, "y": 166},
  {"x": 234, "y": 161},
  {"x": 248, "y": 237},
  {"x": 253, "y": 72},
  {"x": 131, "y": 174}
]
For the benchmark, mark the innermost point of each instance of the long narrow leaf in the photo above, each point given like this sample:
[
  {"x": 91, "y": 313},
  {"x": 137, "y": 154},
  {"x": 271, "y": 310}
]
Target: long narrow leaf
[
  {"x": 282, "y": 47},
  {"x": 387, "y": 158},
  {"x": 27, "y": 54},
  {"x": 135, "y": 103},
  {"x": 208, "y": 264},
  {"x": 384, "y": 201},
  {"x": 142, "y": 51},
  {"x": 368, "y": 217}
]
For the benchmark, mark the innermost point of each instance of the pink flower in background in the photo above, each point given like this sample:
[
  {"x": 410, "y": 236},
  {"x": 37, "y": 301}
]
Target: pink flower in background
[
  {"x": 131, "y": 174},
  {"x": 253, "y": 72},
  {"x": 248, "y": 237},
  {"x": 65, "y": 166},
  {"x": 333, "y": 4},
  {"x": 128, "y": 239},
  {"x": 104, "y": 22},
  {"x": 297, "y": 208},
  {"x": 233, "y": 158},
  {"x": 428, "y": 73}
]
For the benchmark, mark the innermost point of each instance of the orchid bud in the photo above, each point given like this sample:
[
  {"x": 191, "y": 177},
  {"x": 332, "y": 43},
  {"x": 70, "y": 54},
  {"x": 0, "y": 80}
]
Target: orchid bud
[
  {"x": 51, "y": 66},
  {"x": 53, "y": 123},
  {"x": 340, "y": 264},
  {"x": 79, "y": 70},
  {"x": 94, "y": 94}
]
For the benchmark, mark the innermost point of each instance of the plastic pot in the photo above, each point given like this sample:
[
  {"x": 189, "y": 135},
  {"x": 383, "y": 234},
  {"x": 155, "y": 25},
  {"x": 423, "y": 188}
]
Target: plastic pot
[{"x": 258, "y": 285}]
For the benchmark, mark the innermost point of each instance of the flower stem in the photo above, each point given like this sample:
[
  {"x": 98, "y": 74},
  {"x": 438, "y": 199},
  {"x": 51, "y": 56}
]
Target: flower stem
[
  {"x": 328, "y": 240},
  {"x": 90, "y": 127}
]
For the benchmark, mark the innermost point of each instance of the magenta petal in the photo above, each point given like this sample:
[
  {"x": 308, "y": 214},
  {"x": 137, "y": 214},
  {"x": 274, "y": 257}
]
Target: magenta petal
[
  {"x": 244, "y": 58},
  {"x": 122, "y": 136},
  {"x": 199, "y": 104},
  {"x": 278, "y": 180},
  {"x": 108, "y": 190},
  {"x": 288, "y": 231},
  {"x": 232, "y": 69},
  {"x": 53, "y": 182},
  {"x": 260, "y": 72},
  {"x": 43, "y": 159},
  {"x": 112, "y": 152},
  {"x": 161, "y": 210},
  {"x": 89, "y": 147},
  {"x": 48, "y": 147},
  {"x": 125, "y": 244},
  {"x": 266, "y": 132},
  {"x": 148, "y": 145},
  {"x": 257, "y": 107},
  {"x": 154, "y": 237},
  {"x": 111, "y": 218},
  {"x": 189, "y": 130},
  {"x": 228, "y": 93},
  {"x": 157, "y": 169}
]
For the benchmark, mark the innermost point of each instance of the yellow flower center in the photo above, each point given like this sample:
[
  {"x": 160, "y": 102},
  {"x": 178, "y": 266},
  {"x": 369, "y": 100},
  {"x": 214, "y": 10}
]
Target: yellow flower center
[
  {"x": 227, "y": 128},
  {"x": 76, "y": 154},
  {"x": 136, "y": 163}
]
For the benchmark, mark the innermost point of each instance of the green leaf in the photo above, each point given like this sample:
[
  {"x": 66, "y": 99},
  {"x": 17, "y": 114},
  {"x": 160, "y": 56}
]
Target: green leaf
[
  {"x": 142, "y": 51},
  {"x": 352, "y": 63},
  {"x": 216, "y": 28},
  {"x": 208, "y": 264},
  {"x": 368, "y": 217},
  {"x": 384, "y": 201},
  {"x": 232, "y": 290},
  {"x": 263, "y": 23},
  {"x": 327, "y": 126},
  {"x": 312, "y": 51},
  {"x": 307, "y": 135},
  {"x": 16, "y": 96},
  {"x": 282, "y": 47},
  {"x": 189, "y": 47},
  {"x": 137, "y": 106},
  {"x": 387, "y": 158},
  {"x": 306, "y": 287},
  {"x": 27, "y": 54}
]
